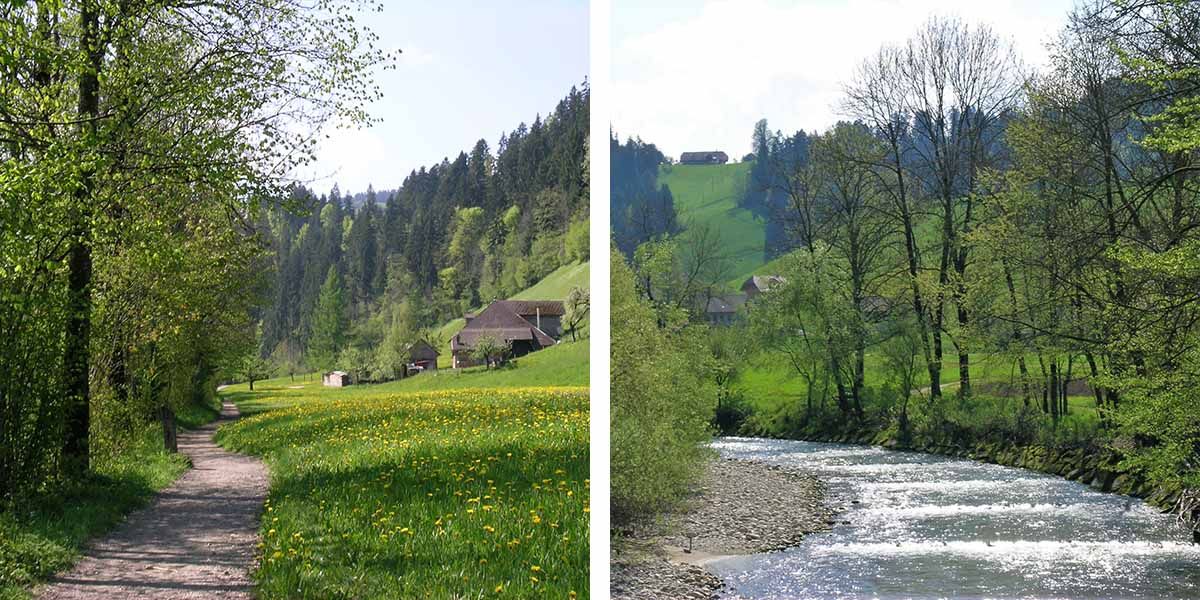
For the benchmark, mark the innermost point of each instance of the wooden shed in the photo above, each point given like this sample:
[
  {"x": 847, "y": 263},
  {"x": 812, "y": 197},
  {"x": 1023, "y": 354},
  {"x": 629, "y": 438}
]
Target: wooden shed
[
  {"x": 336, "y": 379},
  {"x": 423, "y": 355}
]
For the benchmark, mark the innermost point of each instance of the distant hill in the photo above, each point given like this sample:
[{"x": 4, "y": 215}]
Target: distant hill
[
  {"x": 709, "y": 194},
  {"x": 381, "y": 197}
]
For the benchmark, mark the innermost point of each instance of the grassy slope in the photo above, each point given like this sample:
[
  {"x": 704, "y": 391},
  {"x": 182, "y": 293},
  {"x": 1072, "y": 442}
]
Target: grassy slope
[
  {"x": 708, "y": 194},
  {"x": 558, "y": 284},
  {"x": 464, "y": 484},
  {"x": 44, "y": 535}
]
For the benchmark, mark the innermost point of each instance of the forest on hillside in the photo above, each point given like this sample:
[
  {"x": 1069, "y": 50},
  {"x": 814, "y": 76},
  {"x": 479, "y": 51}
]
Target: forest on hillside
[
  {"x": 978, "y": 253},
  {"x": 354, "y": 286},
  {"x": 642, "y": 209}
]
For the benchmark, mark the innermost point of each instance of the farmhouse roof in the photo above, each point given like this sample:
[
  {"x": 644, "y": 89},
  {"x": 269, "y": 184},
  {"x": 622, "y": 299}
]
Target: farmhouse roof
[
  {"x": 500, "y": 321},
  {"x": 725, "y": 304},
  {"x": 703, "y": 156},
  {"x": 548, "y": 308},
  {"x": 764, "y": 282},
  {"x": 423, "y": 346}
]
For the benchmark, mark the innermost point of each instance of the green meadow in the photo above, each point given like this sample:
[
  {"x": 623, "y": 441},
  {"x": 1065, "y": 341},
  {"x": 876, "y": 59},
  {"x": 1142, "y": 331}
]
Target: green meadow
[
  {"x": 708, "y": 194},
  {"x": 460, "y": 484}
]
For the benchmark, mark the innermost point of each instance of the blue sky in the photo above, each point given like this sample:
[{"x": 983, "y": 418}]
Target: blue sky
[
  {"x": 468, "y": 70},
  {"x": 697, "y": 75}
]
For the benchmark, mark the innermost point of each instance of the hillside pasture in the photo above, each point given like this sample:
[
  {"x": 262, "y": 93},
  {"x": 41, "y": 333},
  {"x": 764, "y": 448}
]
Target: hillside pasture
[{"x": 709, "y": 194}]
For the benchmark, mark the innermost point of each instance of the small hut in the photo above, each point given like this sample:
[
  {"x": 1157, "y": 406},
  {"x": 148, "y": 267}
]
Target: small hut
[
  {"x": 423, "y": 355},
  {"x": 336, "y": 379}
]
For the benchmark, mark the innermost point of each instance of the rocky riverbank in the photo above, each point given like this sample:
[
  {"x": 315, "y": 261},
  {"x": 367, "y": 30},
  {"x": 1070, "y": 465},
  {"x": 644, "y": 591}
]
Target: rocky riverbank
[{"x": 740, "y": 507}]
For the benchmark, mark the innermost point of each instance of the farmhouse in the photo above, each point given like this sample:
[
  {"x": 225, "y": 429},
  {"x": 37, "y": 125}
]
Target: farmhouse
[
  {"x": 423, "y": 356},
  {"x": 714, "y": 157},
  {"x": 722, "y": 310},
  {"x": 523, "y": 325},
  {"x": 336, "y": 379},
  {"x": 760, "y": 283}
]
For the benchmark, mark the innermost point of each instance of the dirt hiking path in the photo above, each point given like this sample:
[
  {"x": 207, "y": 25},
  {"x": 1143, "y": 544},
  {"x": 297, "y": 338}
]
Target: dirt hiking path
[{"x": 196, "y": 540}]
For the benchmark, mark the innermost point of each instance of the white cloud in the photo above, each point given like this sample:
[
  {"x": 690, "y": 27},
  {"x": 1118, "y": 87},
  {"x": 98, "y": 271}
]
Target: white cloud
[
  {"x": 701, "y": 82},
  {"x": 350, "y": 158}
]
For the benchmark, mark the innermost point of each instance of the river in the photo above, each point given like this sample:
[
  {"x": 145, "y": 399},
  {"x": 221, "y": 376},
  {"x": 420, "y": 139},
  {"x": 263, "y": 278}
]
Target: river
[{"x": 924, "y": 526}]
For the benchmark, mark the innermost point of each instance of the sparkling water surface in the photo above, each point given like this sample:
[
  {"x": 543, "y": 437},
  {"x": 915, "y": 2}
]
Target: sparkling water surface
[{"x": 928, "y": 526}]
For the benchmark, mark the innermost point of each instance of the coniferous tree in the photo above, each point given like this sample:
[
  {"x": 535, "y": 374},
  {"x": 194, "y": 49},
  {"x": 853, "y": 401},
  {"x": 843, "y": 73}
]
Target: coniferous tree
[{"x": 329, "y": 323}]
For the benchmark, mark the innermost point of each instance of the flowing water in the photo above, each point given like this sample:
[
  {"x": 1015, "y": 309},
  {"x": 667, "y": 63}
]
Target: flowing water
[{"x": 924, "y": 526}]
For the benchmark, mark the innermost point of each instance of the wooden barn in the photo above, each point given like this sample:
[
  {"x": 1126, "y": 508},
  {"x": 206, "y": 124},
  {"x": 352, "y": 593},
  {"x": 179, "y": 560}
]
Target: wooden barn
[
  {"x": 524, "y": 325},
  {"x": 336, "y": 379},
  {"x": 423, "y": 356},
  {"x": 714, "y": 157}
]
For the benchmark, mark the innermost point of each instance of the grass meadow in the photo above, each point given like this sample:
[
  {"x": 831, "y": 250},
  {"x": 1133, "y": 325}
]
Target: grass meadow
[
  {"x": 456, "y": 493},
  {"x": 709, "y": 194},
  {"x": 773, "y": 390}
]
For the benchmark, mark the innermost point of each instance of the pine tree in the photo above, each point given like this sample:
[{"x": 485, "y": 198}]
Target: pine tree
[{"x": 329, "y": 323}]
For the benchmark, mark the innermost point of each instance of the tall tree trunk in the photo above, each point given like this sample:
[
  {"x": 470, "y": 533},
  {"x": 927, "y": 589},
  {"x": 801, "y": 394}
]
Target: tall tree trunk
[
  {"x": 166, "y": 417},
  {"x": 914, "y": 266},
  {"x": 1045, "y": 392},
  {"x": 1097, "y": 390},
  {"x": 964, "y": 356},
  {"x": 76, "y": 349},
  {"x": 1052, "y": 388},
  {"x": 1066, "y": 384},
  {"x": 843, "y": 404},
  {"x": 808, "y": 398},
  {"x": 1017, "y": 335},
  {"x": 859, "y": 377},
  {"x": 939, "y": 303}
]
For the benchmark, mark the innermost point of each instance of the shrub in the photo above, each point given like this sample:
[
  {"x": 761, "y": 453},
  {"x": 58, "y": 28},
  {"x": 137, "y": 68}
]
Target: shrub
[
  {"x": 576, "y": 243},
  {"x": 661, "y": 402}
]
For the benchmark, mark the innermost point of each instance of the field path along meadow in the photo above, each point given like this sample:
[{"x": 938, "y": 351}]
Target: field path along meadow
[{"x": 196, "y": 540}]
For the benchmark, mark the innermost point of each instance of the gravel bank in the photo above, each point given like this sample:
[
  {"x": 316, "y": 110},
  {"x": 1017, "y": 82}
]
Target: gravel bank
[{"x": 740, "y": 507}]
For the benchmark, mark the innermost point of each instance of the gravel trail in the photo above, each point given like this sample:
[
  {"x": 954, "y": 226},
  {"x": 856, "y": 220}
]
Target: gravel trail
[{"x": 196, "y": 540}]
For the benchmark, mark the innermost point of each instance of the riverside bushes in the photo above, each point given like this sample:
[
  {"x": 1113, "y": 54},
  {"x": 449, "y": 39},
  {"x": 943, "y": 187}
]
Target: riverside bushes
[{"x": 661, "y": 401}]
